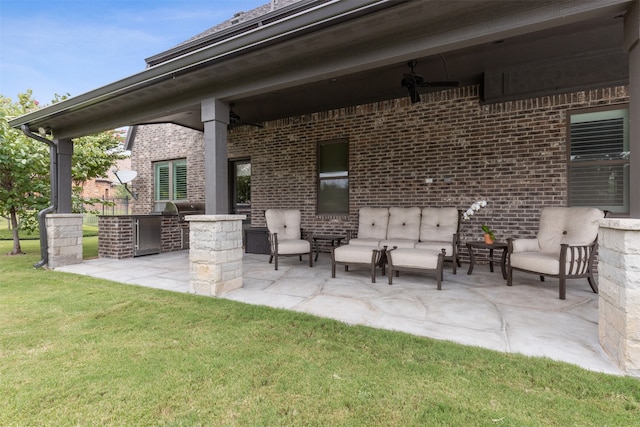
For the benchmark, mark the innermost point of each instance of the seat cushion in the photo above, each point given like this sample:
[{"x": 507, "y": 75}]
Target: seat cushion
[
  {"x": 414, "y": 258},
  {"x": 539, "y": 262},
  {"x": 404, "y": 223},
  {"x": 295, "y": 246},
  {"x": 285, "y": 222},
  {"x": 370, "y": 243},
  {"x": 353, "y": 254},
  {"x": 400, "y": 243},
  {"x": 438, "y": 224},
  {"x": 437, "y": 246},
  {"x": 372, "y": 223},
  {"x": 573, "y": 226}
]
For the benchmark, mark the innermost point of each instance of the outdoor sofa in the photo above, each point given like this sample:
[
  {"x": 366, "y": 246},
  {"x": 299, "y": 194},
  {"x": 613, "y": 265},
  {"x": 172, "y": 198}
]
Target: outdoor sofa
[{"x": 430, "y": 233}]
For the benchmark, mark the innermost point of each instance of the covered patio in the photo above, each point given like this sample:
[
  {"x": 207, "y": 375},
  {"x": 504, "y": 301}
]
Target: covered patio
[
  {"x": 321, "y": 70},
  {"x": 478, "y": 309}
]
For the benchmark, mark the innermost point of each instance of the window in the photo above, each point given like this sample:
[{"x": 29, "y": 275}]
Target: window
[
  {"x": 599, "y": 159},
  {"x": 170, "y": 180},
  {"x": 333, "y": 177},
  {"x": 240, "y": 187}
]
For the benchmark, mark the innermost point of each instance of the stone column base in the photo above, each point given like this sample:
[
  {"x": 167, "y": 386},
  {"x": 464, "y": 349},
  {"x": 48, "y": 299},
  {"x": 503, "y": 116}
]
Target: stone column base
[
  {"x": 64, "y": 238},
  {"x": 215, "y": 253},
  {"x": 619, "y": 292}
]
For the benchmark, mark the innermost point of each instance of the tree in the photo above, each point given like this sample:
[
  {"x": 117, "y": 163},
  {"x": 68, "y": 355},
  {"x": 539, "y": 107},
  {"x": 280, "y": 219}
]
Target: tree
[
  {"x": 93, "y": 156},
  {"x": 24, "y": 166}
]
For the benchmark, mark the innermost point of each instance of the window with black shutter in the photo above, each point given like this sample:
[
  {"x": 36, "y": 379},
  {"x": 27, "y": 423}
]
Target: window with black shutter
[{"x": 598, "y": 163}]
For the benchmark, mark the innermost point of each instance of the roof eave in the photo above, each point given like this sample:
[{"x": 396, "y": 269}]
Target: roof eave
[{"x": 310, "y": 19}]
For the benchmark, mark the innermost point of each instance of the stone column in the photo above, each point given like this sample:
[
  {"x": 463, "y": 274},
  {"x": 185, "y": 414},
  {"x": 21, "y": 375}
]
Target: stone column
[
  {"x": 619, "y": 292},
  {"x": 215, "y": 253},
  {"x": 64, "y": 237}
]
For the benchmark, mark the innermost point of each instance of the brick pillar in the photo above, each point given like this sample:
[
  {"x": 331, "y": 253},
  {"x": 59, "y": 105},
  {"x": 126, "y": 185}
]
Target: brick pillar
[
  {"x": 64, "y": 238},
  {"x": 115, "y": 236},
  {"x": 619, "y": 289},
  {"x": 215, "y": 253}
]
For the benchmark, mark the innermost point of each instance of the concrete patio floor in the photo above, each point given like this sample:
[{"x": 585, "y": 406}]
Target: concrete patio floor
[{"x": 478, "y": 310}]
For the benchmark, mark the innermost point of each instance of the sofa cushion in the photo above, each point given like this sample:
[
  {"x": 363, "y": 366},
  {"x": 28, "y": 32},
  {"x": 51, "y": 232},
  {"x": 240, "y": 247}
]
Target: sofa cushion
[
  {"x": 438, "y": 224},
  {"x": 404, "y": 223},
  {"x": 437, "y": 246},
  {"x": 574, "y": 226},
  {"x": 414, "y": 258},
  {"x": 399, "y": 243},
  {"x": 372, "y": 223},
  {"x": 369, "y": 243},
  {"x": 354, "y": 254},
  {"x": 285, "y": 222}
]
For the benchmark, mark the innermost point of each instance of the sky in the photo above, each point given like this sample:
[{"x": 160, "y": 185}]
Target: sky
[{"x": 74, "y": 46}]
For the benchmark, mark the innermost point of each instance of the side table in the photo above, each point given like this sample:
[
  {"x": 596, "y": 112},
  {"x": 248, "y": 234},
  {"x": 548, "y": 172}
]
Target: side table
[
  {"x": 482, "y": 245},
  {"x": 326, "y": 237}
]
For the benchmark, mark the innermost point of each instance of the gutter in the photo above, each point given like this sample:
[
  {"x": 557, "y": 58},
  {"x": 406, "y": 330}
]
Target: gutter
[{"x": 53, "y": 174}]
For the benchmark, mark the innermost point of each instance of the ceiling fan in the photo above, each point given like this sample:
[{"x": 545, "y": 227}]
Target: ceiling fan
[
  {"x": 413, "y": 82},
  {"x": 235, "y": 120}
]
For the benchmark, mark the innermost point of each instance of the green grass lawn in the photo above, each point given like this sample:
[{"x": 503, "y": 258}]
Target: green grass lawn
[{"x": 81, "y": 351}]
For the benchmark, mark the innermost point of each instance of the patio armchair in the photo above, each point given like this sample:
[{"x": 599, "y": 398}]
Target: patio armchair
[
  {"x": 285, "y": 235},
  {"x": 565, "y": 247}
]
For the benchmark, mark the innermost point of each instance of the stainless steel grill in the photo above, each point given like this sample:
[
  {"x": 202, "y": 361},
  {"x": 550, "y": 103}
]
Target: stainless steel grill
[{"x": 183, "y": 209}]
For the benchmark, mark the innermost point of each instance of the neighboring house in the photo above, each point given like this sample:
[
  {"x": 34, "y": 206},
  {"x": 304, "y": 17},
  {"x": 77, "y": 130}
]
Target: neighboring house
[
  {"x": 105, "y": 187},
  {"x": 519, "y": 143}
]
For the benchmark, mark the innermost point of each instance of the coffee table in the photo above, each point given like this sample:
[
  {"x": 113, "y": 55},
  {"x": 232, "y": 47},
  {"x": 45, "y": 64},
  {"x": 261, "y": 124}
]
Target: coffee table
[
  {"x": 482, "y": 245},
  {"x": 326, "y": 237}
]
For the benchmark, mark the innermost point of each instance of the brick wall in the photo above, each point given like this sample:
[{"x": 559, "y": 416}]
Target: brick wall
[
  {"x": 115, "y": 235},
  {"x": 166, "y": 142},
  {"x": 511, "y": 154}
]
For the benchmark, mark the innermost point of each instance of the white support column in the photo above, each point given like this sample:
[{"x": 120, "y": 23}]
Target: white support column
[
  {"x": 215, "y": 253},
  {"x": 215, "y": 116},
  {"x": 632, "y": 46}
]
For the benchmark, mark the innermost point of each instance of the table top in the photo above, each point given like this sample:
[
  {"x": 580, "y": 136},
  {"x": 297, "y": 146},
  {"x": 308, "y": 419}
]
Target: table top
[{"x": 482, "y": 244}]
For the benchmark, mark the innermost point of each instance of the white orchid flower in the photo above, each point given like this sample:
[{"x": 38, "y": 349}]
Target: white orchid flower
[{"x": 475, "y": 206}]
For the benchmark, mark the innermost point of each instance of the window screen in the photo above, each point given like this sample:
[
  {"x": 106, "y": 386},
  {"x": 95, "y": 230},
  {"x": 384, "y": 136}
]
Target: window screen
[{"x": 599, "y": 160}]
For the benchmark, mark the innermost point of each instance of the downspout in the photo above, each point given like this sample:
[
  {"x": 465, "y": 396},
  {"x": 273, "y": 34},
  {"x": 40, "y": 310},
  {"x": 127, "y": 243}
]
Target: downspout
[{"x": 53, "y": 172}]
